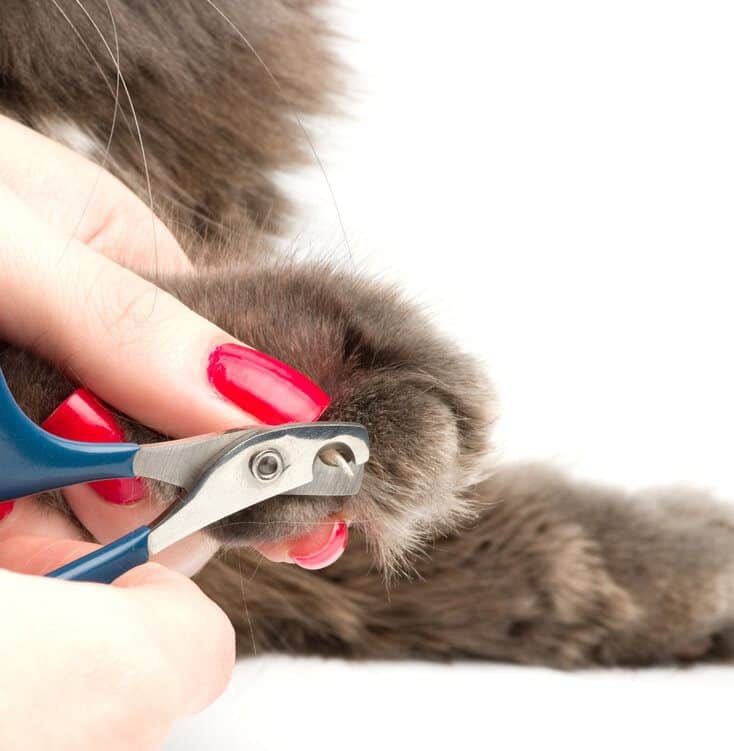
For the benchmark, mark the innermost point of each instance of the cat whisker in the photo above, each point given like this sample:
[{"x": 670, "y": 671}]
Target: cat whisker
[
  {"x": 275, "y": 522},
  {"x": 108, "y": 146},
  {"x": 257, "y": 567},
  {"x": 296, "y": 116},
  {"x": 247, "y": 610},
  {"x": 110, "y": 136},
  {"x": 87, "y": 48},
  {"x": 136, "y": 121},
  {"x": 116, "y": 95}
]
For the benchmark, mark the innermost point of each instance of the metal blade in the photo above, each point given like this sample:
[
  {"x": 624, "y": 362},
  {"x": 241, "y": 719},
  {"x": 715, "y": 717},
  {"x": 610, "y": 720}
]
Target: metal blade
[
  {"x": 328, "y": 480},
  {"x": 182, "y": 462},
  {"x": 232, "y": 483}
]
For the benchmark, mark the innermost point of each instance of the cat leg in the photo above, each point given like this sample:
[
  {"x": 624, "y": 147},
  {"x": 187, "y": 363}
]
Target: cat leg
[{"x": 553, "y": 573}]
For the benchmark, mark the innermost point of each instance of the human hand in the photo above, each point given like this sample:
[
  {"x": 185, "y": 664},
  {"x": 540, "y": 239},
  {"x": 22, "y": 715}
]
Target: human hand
[
  {"x": 86, "y": 666},
  {"x": 89, "y": 666},
  {"x": 65, "y": 228}
]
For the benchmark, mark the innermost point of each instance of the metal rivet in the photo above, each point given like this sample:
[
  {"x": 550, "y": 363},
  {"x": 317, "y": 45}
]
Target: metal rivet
[{"x": 267, "y": 465}]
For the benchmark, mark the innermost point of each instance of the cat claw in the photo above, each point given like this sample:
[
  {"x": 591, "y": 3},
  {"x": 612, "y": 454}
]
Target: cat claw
[{"x": 336, "y": 459}]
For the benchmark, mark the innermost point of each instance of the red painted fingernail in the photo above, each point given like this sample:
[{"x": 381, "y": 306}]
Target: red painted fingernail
[
  {"x": 82, "y": 417},
  {"x": 5, "y": 508},
  {"x": 268, "y": 389},
  {"x": 327, "y": 551}
]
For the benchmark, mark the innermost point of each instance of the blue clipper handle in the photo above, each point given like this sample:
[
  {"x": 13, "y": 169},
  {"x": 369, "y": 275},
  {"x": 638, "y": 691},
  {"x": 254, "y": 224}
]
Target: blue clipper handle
[
  {"x": 106, "y": 564},
  {"x": 32, "y": 460}
]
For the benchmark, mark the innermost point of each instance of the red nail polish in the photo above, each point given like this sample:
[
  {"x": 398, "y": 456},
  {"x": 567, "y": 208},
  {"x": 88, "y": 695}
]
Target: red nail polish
[
  {"x": 320, "y": 550},
  {"x": 268, "y": 389},
  {"x": 5, "y": 508},
  {"x": 82, "y": 417}
]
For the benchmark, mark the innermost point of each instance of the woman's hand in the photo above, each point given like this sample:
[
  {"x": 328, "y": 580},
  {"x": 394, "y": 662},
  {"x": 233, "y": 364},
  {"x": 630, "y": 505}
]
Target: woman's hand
[
  {"x": 63, "y": 225},
  {"x": 87, "y": 666}
]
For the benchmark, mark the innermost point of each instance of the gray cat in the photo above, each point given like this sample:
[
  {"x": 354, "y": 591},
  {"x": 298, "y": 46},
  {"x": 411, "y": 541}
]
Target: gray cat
[{"x": 480, "y": 561}]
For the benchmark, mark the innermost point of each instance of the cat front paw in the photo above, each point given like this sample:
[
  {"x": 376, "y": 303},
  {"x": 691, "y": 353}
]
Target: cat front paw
[{"x": 427, "y": 406}]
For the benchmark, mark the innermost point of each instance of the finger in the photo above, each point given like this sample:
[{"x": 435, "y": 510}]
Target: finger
[
  {"x": 193, "y": 636},
  {"x": 174, "y": 645},
  {"x": 26, "y": 516},
  {"x": 26, "y": 553},
  {"x": 106, "y": 522},
  {"x": 97, "y": 209},
  {"x": 142, "y": 350},
  {"x": 201, "y": 656},
  {"x": 130, "y": 502}
]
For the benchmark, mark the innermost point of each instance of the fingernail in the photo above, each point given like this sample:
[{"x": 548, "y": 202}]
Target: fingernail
[
  {"x": 82, "y": 417},
  {"x": 326, "y": 553},
  {"x": 5, "y": 508},
  {"x": 268, "y": 389}
]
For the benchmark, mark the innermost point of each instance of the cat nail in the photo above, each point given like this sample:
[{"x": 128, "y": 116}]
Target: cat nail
[
  {"x": 268, "y": 389},
  {"x": 5, "y": 508},
  {"x": 82, "y": 417}
]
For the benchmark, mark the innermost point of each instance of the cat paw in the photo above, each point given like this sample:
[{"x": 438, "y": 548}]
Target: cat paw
[
  {"x": 426, "y": 405},
  {"x": 678, "y": 563}
]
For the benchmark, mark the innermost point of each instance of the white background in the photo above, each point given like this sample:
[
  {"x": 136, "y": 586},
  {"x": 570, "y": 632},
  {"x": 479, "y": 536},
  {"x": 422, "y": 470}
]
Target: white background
[{"x": 556, "y": 181}]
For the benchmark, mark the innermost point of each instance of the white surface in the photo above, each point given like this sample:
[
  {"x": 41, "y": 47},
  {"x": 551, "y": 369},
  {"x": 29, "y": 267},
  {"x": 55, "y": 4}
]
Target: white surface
[{"x": 556, "y": 180}]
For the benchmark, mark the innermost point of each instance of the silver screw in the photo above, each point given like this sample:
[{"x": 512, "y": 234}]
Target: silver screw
[{"x": 267, "y": 465}]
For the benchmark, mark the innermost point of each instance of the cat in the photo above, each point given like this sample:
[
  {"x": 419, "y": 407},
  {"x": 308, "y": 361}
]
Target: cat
[{"x": 452, "y": 555}]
